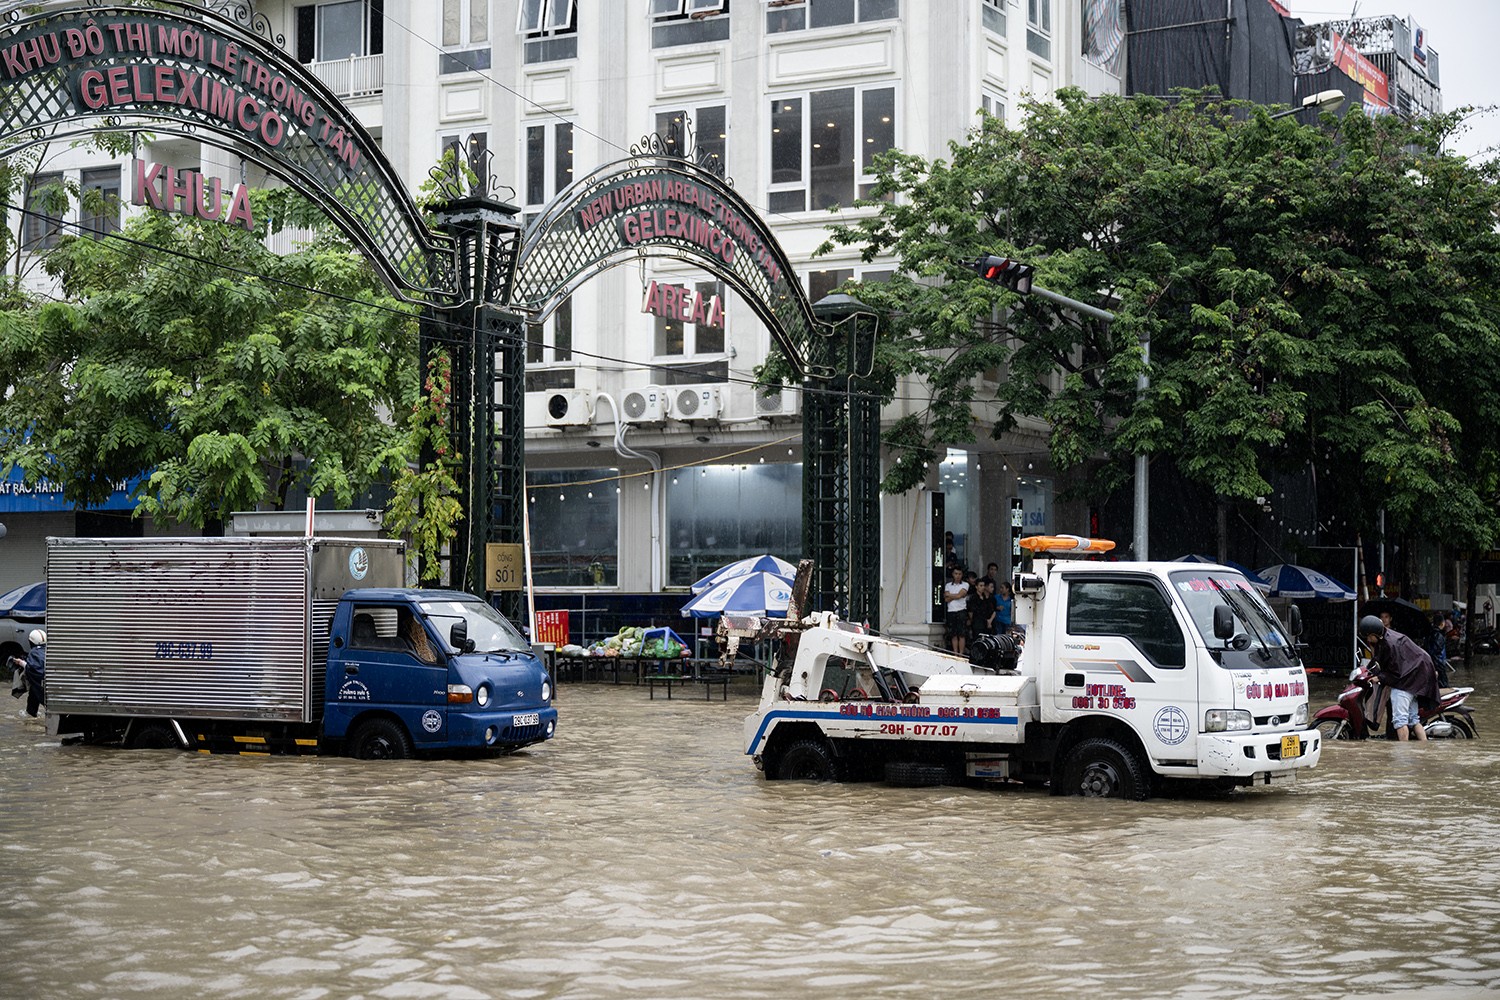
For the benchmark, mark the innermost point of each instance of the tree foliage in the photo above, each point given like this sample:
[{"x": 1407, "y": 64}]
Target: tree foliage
[
  {"x": 188, "y": 354},
  {"x": 1311, "y": 294}
]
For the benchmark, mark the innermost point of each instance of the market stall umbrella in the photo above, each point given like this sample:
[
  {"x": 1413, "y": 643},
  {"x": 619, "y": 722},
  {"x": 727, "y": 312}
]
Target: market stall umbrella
[
  {"x": 1256, "y": 580},
  {"x": 744, "y": 567},
  {"x": 1406, "y": 617},
  {"x": 1287, "y": 580},
  {"x": 752, "y": 594}
]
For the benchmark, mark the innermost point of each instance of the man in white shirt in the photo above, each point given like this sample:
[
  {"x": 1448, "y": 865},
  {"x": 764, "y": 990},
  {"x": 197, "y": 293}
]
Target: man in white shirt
[{"x": 956, "y": 596}]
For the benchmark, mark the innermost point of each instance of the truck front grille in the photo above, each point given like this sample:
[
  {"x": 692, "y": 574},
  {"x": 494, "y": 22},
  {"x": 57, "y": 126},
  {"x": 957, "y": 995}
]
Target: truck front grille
[{"x": 521, "y": 734}]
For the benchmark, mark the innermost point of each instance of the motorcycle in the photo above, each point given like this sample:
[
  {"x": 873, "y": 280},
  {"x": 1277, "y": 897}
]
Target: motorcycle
[{"x": 1359, "y": 713}]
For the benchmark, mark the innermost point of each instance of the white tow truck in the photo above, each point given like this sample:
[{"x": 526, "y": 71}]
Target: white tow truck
[{"x": 1129, "y": 675}]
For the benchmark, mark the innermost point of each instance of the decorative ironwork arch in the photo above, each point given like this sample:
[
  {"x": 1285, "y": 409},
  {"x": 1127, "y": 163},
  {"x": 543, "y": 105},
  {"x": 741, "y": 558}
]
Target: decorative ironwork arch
[
  {"x": 662, "y": 203},
  {"x": 176, "y": 68}
]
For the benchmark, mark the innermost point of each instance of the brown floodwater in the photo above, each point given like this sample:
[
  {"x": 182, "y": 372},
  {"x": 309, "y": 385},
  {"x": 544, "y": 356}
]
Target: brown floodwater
[{"x": 640, "y": 854}]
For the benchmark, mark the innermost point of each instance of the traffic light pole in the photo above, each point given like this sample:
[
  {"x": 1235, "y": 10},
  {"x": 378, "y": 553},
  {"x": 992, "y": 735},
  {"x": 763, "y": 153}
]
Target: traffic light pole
[
  {"x": 1017, "y": 277},
  {"x": 1141, "y": 529}
]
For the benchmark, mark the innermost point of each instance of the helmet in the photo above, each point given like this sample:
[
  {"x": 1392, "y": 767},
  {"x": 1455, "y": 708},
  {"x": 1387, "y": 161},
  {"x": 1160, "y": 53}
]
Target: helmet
[
  {"x": 37, "y": 637},
  {"x": 1371, "y": 625}
]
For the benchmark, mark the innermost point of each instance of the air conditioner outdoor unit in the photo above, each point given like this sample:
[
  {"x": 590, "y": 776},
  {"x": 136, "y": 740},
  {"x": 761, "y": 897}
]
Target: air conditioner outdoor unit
[
  {"x": 640, "y": 406},
  {"x": 696, "y": 402},
  {"x": 570, "y": 408},
  {"x": 777, "y": 401}
]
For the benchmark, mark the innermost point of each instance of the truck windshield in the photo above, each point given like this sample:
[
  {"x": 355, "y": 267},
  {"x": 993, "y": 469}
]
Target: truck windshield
[
  {"x": 1260, "y": 640},
  {"x": 488, "y": 629}
]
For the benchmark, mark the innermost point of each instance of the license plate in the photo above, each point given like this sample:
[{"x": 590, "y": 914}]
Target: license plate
[
  {"x": 1291, "y": 746},
  {"x": 535, "y": 718}
]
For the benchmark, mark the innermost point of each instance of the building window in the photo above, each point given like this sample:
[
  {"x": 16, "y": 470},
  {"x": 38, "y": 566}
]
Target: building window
[
  {"x": 1039, "y": 28},
  {"x": 550, "y": 28},
  {"x": 993, "y": 104},
  {"x": 710, "y": 133},
  {"x": 992, "y": 15},
  {"x": 678, "y": 336},
  {"x": 1131, "y": 609},
  {"x": 549, "y": 169},
  {"x": 575, "y": 527},
  {"x": 820, "y": 159},
  {"x": 551, "y": 342},
  {"x": 46, "y": 203},
  {"x": 795, "y": 15},
  {"x": 717, "y": 514},
  {"x": 830, "y": 280},
  {"x": 465, "y": 33},
  {"x": 549, "y": 162},
  {"x": 469, "y": 149},
  {"x": 329, "y": 31},
  {"x": 99, "y": 209},
  {"x": 465, "y": 23},
  {"x": 688, "y": 22}
]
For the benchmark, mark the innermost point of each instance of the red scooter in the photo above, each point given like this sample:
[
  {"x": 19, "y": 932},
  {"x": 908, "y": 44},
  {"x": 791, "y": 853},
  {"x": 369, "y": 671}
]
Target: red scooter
[{"x": 1361, "y": 711}]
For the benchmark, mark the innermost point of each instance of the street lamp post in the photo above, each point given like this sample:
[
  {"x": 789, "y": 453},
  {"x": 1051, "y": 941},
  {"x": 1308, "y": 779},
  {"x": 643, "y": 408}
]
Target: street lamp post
[{"x": 1323, "y": 100}]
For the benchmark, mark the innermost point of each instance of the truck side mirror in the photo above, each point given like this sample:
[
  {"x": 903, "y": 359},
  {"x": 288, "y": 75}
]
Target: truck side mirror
[
  {"x": 458, "y": 637},
  {"x": 1294, "y": 620},
  {"x": 1223, "y": 622}
]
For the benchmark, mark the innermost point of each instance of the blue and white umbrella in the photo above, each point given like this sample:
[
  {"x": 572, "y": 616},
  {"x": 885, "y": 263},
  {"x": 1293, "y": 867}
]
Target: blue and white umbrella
[
  {"x": 1256, "y": 580},
  {"x": 1287, "y": 580},
  {"x": 751, "y": 594},
  {"x": 744, "y": 567}
]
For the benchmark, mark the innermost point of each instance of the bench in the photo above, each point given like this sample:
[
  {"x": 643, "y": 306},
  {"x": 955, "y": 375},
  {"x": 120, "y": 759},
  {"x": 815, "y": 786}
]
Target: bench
[
  {"x": 668, "y": 679},
  {"x": 709, "y": 680}
]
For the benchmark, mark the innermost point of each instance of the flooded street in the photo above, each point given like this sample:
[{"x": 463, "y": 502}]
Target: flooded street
[{"x": 641, "y": 855}]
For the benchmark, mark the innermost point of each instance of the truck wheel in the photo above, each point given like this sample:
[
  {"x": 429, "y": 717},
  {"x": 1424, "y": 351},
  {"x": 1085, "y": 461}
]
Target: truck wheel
[
  {"x": 153, "y": 736},
  {"x": 911, "y": 774},
  {"x": 809, "y": 760},
  {"x": 380, "y": 739},
  {"x": 1101, "y": 768}
]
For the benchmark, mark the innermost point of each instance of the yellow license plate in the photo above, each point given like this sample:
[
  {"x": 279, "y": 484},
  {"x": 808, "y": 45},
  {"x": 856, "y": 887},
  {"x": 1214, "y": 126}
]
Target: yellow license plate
[{"x": 1291, "y": 746}]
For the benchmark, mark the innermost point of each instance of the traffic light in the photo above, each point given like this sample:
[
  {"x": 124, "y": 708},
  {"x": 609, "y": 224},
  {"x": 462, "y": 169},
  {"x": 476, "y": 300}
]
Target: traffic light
[{"x": 1010, "y": 273}]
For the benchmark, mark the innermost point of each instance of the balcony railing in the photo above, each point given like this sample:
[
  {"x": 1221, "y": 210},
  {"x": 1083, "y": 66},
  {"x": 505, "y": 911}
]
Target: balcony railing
[{"x": 356, "y": 76}]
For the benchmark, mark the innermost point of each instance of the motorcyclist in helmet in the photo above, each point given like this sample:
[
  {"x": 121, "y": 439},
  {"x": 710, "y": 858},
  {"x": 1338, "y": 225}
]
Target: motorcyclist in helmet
[{"x": 1407, "y": 670}]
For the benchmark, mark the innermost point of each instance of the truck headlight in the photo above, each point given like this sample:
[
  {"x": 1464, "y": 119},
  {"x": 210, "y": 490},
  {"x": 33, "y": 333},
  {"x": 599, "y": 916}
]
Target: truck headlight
[
  {"x": 1299, "y": 717},
  {"x": 1227, "y": 720},
  {"x": 547, "y": 690},
  {"x": 482, "y": 696}
]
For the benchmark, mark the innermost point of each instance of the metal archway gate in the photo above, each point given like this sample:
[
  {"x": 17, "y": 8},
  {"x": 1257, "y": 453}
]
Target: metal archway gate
[
  {"x": 173, "y": 67},
  {"x": 667, "y": 201}
]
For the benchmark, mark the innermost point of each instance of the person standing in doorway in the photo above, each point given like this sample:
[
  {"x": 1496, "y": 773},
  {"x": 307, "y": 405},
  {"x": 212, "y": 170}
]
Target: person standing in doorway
[{"x": 956, "y": 600}]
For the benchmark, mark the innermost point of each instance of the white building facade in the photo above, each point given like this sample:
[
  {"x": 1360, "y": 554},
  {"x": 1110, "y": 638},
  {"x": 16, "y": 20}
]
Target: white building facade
[{"x": 663, "y": 459}]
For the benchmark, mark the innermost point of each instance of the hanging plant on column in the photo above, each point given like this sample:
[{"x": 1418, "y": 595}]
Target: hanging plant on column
[{"x": 424, "y": 501}]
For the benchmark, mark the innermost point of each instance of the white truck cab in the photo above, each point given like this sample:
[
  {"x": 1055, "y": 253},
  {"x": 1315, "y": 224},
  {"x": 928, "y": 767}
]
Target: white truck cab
[{"x": 1129, "y": 675}]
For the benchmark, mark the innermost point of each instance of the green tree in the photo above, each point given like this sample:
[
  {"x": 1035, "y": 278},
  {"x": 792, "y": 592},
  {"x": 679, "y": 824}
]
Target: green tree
[
  {"x": 187, "y": 353},
  {"x": 1310, "y": 294}
]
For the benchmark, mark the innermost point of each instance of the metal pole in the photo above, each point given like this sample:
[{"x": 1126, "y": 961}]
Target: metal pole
[
  {"x": 1142, "y": 383},
  {"x": 1073, "y": 304},
  {"x": 1142, "y": 470}
]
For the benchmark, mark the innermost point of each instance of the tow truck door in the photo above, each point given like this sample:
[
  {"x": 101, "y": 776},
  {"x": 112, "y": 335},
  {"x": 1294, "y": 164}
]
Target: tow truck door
[{"x": 1124, "y": 651}]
